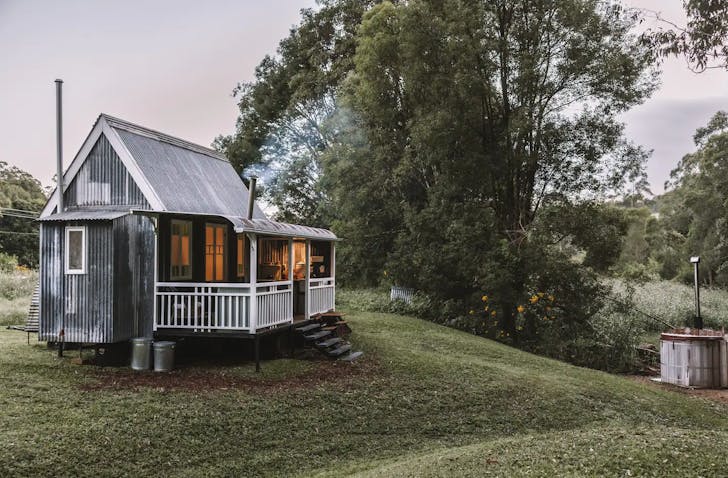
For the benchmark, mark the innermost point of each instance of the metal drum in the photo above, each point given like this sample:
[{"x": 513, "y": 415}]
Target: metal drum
[
  {"x": 163, "y": 356},
  {"x": 141, "y": 353}
]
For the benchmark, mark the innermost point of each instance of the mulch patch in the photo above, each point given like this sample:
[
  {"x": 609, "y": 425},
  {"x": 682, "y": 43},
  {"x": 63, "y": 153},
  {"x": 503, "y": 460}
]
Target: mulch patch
[{"x": 216, "y": 378}]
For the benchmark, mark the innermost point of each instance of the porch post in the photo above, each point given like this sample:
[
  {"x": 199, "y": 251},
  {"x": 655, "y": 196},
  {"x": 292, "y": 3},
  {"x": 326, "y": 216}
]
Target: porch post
[
  {"x": 308, "y": 279},
  {"x": 253, "y": 240},
  {"x": 290, "y": 260},
  {"x": 333, "y": 275},
  {"x": 290, "y": 275},
  {"x": 155, "y": 224}
]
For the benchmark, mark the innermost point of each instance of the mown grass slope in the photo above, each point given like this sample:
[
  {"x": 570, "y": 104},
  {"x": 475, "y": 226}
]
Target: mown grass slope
[{"x": 425, "y": 401}]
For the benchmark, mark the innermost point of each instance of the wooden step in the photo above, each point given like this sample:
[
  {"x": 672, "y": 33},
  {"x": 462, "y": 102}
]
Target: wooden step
[
  {"x": 317, "y": 335},
  {"x": 352, "y": 356},
  {"x": 329, "y": 342},
  {"x": 308, "y": 328},
  {"x": 339, "y": 351}
]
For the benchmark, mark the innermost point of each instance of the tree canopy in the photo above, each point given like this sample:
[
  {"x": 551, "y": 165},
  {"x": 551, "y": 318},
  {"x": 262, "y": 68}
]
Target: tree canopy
[
  {"x": 459, "y": 148},
  {"x": 21, "y": 191}
]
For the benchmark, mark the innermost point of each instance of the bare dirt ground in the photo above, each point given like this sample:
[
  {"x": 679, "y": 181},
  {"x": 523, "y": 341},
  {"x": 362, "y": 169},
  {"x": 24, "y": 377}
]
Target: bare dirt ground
[{"x": 718, "y": 395}]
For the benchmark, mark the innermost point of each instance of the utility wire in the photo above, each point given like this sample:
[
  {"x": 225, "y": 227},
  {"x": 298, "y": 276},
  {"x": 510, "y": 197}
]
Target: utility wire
[
  {"x": 18, "y": 210},
  {"x": 20, "y": 233},
  {"x": 628, "y": 306},
  {"x": 22, "y": 216}
]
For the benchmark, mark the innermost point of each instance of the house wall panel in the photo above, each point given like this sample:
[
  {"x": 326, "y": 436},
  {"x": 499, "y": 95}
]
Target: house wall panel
[
  {"x": 134, "y": 277},
  {"x": 103, "y": 181},
  {"x": 80, "y": 304}
]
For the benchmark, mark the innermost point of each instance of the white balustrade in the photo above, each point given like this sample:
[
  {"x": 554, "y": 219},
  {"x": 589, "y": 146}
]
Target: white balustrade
[{"x": 322, "y": 295}]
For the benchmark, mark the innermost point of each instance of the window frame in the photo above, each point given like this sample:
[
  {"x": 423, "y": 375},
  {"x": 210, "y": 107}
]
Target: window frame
[
  {"x": 240, "y": 256},
  {"x": 183, "y": 222},
  {"x": 67, "y": 250},
  {"x": 215, "y": 226}
]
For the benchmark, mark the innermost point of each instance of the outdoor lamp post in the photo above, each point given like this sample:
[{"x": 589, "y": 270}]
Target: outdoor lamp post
[{"x": 698, "y": 319}]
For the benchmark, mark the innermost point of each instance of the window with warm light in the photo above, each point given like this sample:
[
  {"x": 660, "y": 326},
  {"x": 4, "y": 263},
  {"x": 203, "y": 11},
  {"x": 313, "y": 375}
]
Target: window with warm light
[
  {"x": 241, "y": 257},
  {"x": 215, "y": 252},
  {"x": 181, "y": 250}
]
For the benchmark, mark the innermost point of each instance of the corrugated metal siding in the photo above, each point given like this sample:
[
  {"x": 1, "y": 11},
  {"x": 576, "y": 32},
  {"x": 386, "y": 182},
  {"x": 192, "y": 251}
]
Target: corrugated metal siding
[
  {"x": 103, "y": 180},
  {"x": 134, "y": 277},
  {"x": 187, "y": 180},
  {"x": 88, "y": 297}
]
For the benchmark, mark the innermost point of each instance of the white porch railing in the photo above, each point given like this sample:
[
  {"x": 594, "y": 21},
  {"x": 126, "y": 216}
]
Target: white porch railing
[
  {"x": 322, "y": 295},
  {"x": 275, "y": 303},
  {"x": 202, "y": 306},
  {"x": 208, "y": 307}
]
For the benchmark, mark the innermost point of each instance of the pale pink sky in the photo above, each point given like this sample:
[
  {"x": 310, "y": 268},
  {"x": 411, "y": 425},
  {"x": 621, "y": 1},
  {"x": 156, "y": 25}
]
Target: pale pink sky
[{"x": 172, "y": 64}]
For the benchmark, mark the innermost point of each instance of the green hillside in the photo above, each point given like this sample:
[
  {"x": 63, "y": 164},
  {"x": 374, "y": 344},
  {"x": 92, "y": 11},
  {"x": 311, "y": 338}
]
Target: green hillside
[{"x": 425, "y": 401}]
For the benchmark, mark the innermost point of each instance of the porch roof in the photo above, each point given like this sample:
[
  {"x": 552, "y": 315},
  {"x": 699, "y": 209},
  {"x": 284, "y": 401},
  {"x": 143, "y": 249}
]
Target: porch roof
[{"x": 257, "y": 226}]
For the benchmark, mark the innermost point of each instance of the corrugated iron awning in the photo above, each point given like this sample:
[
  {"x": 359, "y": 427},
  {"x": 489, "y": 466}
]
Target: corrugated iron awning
[
  {"x": 259, "y": 226},
  {"x": 85, "y": 215},
  {"x": 266, "y": 226}
]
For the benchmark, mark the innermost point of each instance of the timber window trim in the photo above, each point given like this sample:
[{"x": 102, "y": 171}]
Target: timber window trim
[
  {"x": 240, "y": 257},
  {"x": 179, "y": 231},
  {"x": 79, "y": 257},
  {"x": 215, "y": 252}
]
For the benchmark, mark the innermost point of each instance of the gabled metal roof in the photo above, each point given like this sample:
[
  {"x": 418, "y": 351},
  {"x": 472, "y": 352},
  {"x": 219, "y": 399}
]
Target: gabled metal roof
[{"x": 184, "y": 176}]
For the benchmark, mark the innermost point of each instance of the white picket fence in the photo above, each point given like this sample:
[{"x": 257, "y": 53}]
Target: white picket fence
[{"x": 401, "y": 293}]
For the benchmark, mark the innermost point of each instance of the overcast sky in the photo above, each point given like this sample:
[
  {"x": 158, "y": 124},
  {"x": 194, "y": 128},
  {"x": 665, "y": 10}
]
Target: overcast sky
[{"x": 171, "y": 65}]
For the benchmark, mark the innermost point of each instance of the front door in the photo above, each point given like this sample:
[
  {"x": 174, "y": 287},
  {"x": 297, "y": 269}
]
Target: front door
[{"x": 215, "y": 239}]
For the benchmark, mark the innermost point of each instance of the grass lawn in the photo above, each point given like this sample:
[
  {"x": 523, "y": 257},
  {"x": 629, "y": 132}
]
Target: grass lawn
[{"x": 424, "y": 401}]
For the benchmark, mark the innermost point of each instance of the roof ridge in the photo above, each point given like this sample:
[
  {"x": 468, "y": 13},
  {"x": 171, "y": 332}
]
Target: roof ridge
[{"x": 115, "y": 122}]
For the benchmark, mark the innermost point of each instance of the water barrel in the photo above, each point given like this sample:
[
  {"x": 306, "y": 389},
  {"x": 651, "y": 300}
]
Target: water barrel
[
  {"x": 141, "y": 353},
  {"x": 694, "y": 358},
  {"x": 163, "y": 356}
]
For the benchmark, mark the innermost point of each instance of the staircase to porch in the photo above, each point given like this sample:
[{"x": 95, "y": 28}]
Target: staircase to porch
[{"x": 327, "y": 333}]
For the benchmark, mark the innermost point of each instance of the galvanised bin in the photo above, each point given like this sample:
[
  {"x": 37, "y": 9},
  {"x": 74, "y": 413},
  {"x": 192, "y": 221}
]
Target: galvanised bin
[
  {"x": 141, "y": 353},
  {"x": 163, "y": 356}
]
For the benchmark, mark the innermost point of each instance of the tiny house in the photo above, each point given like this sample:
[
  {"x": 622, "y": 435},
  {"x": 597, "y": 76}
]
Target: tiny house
[{"x": 154, "y": 235}]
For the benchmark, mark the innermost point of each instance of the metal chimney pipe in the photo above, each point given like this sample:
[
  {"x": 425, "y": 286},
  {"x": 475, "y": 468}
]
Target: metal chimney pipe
[
  {"x": 59, "y": 144},
  {"x": 251, "y": 195}
]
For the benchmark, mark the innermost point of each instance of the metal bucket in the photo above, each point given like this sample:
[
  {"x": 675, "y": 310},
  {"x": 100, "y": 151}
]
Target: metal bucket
[
  {"x": 163, "y": 356},
  {"x": 141, "y": 353}
]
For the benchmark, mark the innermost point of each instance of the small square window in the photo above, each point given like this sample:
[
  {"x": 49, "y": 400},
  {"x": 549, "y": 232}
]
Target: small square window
[{"x": 75, "y": 250}]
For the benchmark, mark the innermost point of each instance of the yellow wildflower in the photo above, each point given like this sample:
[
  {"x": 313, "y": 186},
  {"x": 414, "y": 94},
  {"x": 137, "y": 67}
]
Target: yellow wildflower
[
  {"x": 492, "y": 313},
  {"x": 471, "y": 312},
  {"x": 533, "y": 299},
  {"x": 520, "y": 309},
  {"x": 486, "y": 308},
  {"x": 519, "y": 328},
  {"x": 540, "y": 295},
  {"x": 484, "y": 298},
  {"x": 551, "y": 298}
]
